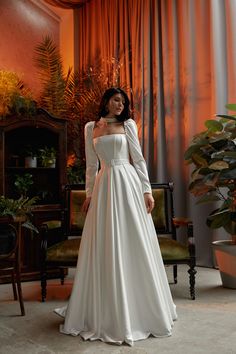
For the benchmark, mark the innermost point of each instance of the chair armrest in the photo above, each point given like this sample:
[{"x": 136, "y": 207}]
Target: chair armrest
[
  {"x": 181, "y": 221},
  {"x": 51, "y": 224},
  {"x": 46, "y": 228}
]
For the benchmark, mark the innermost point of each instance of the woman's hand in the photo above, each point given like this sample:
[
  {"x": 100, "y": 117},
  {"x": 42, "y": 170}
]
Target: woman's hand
[
  {"x": 149, "y": 202},
  {"x": 86, "y": 204}
]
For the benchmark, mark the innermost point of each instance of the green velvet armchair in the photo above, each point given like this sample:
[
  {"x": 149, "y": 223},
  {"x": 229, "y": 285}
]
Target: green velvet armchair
[
  {"x": 166, "y": 225},
  {"x": 67, "y": 231},
  {"x": 64, "y": 254}
]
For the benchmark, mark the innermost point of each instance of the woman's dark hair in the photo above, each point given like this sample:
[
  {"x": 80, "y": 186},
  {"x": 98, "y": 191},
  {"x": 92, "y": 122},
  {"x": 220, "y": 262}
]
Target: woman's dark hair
[{"x": 125, "y": 114}]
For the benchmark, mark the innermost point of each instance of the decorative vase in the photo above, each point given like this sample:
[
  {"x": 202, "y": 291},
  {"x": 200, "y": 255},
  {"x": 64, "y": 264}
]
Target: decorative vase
[
  {"x": 225, "y": 253},
  {"x": 50, "y": 163},
  {"x": 53, "y": 163},
  {"x": 30, "y": 162}
]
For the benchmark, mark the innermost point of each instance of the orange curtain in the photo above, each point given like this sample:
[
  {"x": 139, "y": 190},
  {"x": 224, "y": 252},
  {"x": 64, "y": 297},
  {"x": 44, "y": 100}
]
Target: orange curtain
[
  {"x": 179, "y": 58},
  {"x": 126, "y": 30}
]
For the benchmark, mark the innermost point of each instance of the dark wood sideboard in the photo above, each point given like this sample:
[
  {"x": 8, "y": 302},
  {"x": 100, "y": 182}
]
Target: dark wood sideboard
[{"x": 17, "y": 133}]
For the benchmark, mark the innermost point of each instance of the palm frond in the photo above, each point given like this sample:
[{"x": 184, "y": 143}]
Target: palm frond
[{"x": 50, "y": 69}]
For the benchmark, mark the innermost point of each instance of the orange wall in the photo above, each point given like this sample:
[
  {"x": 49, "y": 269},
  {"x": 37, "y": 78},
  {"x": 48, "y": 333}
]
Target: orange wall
[
  {"x": 22, "y": 26},
  {"x": 66, "y": 34}
]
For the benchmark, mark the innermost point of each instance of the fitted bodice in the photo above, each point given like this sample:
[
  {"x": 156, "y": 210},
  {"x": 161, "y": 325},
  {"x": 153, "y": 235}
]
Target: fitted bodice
[
  {"x": 114, "y": 149},
  {"x": 111, "y": 149}
]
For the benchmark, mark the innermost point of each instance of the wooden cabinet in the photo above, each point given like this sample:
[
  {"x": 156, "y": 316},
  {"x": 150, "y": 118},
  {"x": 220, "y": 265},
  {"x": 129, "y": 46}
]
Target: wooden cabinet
[{"x": 17, "y": 134}]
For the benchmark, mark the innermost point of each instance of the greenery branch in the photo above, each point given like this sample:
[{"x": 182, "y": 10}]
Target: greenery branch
[{"x": 19, "y": 209}]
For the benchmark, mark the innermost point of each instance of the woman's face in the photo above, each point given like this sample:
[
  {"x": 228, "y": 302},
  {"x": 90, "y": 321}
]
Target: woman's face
[{"x": 115, "y": 105}]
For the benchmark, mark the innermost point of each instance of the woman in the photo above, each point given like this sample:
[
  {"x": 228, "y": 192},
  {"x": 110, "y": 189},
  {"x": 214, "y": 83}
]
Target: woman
[{"x": 120, "y": 293}]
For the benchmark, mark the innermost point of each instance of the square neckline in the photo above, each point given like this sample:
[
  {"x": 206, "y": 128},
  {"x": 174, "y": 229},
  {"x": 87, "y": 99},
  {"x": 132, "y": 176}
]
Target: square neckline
[{"x": 100, "y": 136}]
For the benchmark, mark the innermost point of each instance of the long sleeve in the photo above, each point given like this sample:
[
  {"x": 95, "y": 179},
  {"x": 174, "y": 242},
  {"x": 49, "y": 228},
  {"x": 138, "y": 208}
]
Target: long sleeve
[
  {"x": 136, "y": 154},
  {"x": 91, "y": 159}
]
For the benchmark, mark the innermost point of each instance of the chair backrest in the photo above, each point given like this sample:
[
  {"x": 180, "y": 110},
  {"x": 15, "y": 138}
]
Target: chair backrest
[
  {"x": 8, "y": 239},
  {"x": 75, "y": 195},
  {"x": 163, "y": 211}
]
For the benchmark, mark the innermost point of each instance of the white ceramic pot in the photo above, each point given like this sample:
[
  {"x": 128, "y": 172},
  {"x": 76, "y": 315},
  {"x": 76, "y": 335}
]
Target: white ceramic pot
[
  {"x": 30, "y": 162},
  {"x": 225, "y": 253}
]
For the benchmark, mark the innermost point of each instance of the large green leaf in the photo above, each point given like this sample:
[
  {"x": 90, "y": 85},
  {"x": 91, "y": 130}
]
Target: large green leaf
[
  {"x": 229, "y": 174},
  {"x": 204, "y": 171},
  {"x": 230, "y": 126},
  {"x": 207, "y": 150},
  {"x": 225, "y": 154},
  {"x": 219, "y": 165},
  {"x": 201, "y": 139},
  {"x": 190, "y": 151},
  {"x": 213, "y": 125},
  {"x": 224, "y": 136},
  {"x": 199, "y": 188},
  {"x": 226, "y": 116},
  {"x": 199, "y": 160},
  {"x": 195, "y": 174},
  {"x": 208, "y": 198},
  {"x": 218, "y": 219},
  {"x": 211, "y": 179},
  {"x": 231, "y": 106}
]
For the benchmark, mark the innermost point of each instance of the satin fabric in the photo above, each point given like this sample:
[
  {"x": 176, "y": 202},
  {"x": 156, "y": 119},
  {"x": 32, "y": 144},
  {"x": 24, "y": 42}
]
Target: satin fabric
[{"x": 120, "y": 292}]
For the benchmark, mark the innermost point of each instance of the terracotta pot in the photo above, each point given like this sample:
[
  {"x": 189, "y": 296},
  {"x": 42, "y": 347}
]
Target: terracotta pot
[{"x": 225, "y": 253}]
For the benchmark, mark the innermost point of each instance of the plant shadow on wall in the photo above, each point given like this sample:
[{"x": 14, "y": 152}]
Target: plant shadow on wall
[{"x": 74, "y": 96}]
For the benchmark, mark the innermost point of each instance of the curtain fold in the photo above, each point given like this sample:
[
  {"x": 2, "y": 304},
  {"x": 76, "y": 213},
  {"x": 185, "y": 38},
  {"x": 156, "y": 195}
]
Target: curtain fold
[{"x": 178, "y": 59}]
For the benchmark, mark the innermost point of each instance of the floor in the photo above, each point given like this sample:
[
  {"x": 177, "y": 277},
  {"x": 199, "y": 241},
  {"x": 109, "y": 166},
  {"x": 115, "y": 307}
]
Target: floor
[{"x": 206, "y": 325}]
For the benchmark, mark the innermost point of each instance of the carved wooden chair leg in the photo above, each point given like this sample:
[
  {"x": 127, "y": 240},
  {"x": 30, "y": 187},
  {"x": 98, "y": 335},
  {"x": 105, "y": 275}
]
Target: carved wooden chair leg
[
  {"x": 175, "y": 273},
  {"x": 192, "y": 272},
  {"x": 43, "y": 285},
  {"x": 62, "y": 276},
  {"x": 43, "y": 264},
  {"x": 18, "y": 282},
  {"x": 14, "y": 285},
  {"x": 43, "y": 280}
]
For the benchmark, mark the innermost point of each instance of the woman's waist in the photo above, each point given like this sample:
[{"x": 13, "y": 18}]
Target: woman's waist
[{"x": 114, "y": 162}]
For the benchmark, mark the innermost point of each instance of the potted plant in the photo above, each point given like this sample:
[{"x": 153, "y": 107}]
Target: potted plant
[
  {"x": 30, "y": 156},
  {"x": 23, "y": 183},
  {"x": 14, "y": 97},
  {"x": 47, "y": 156},
  {"x": 75, "y": 170},
  {"x": 212, "y": 153},
  {"x": 19, "y": 210}
]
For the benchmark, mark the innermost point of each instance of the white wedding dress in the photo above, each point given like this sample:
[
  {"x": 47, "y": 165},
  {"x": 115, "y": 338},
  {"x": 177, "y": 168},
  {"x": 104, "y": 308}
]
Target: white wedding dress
[{"x": 120, "y": 292}]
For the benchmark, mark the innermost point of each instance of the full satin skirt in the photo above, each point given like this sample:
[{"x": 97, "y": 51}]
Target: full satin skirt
[{"x": 120, "y": 292}]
